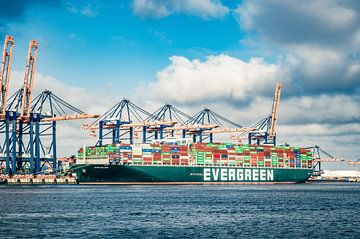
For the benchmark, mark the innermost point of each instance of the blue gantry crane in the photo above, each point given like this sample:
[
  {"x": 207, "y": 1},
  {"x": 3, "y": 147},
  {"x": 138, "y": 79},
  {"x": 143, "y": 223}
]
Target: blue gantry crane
[
  {"x": 167, "y": 113},
  {"x": 28, "y": 127},
  {"x": 123, "y": 122},
  {"x": 204, "y": 124}
]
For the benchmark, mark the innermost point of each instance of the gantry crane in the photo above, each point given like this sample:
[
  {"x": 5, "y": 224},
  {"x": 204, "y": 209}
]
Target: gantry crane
[
  {"x": 28, "y": 129},
  {"x": 166, "y": 121},
  {"x": 275, "y": 110},
  {"x": 321, "y": 156},
  {"x": 166, "y": 113},
  {"x": 205, "y": 123},
  {"x": 124, "y": 120},
  {"x": 264, "y": 131},
  {"x": 5, "y": 73},
  {"x": 29, "y": 79}
]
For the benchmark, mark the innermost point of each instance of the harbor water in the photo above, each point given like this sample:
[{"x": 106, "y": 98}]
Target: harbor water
[{"x": 326, "y": 210}]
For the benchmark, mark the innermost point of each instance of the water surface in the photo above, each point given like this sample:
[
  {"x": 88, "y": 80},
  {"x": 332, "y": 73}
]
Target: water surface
[{"x": 116, "y": 211}]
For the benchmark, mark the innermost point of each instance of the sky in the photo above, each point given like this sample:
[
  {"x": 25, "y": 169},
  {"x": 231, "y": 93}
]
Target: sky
[{"x": 225, "y": 55}]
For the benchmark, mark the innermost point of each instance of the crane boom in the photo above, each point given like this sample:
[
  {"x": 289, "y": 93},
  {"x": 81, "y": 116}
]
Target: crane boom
[
  {"x": 70, "y": 117},
  {"x": 275, "y": 109},
  {"x": 149, "y": 124},
  {"x": 29, "y": 79},
  {"x": 5, "y": 72}
]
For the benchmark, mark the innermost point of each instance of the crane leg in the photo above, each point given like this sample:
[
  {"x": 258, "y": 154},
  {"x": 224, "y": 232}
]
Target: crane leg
[
  {"x": 31, "y": 132},
  {"x": 14, "y": 159},
  {"x": 7, "y": 141},
  {"x": 144, "y": 134},
  {"x": 37, "y": 144},
  {"x": 54, "y": 163}
]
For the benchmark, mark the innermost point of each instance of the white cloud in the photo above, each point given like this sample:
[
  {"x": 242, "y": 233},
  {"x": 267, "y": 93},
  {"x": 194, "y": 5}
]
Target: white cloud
[
  {"x": 353, "y": 71},
  {"x": 88, "y": 11},
  {"x": 340, "y": 141},
  {"x": 316, "y": 60},
  {"x": 85, "y": 10},
  {"x": 242, "y": 91},
  {"x": 318, "y": 40},
  {"x": 206, "y": 9},
  {"x": 160, "y": 35},
  {"x": 330, "y": 109},
  {"x": 218, "y": 78},
  {"x": 76, "y": 38},
  {"x": 297, "y": 20}
]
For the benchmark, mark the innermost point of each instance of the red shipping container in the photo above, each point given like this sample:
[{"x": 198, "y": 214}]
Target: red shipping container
[{"x": 217, "y": 155}]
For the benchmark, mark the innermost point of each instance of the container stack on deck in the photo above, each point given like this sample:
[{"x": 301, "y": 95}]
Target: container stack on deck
[{"x": 225, "y": 154}]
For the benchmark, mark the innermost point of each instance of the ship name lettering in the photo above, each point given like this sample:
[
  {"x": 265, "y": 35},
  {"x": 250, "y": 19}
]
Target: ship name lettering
[
  {"x": 255, "y": 175},
  {"x": 232, "y": 174},
  {"x": 238, "y": 174},
  {"x": 270, "y": 175},
  {"x": 215, "y": 172},
  {"x": 224, "y": 174},
  {"x": 207, "y": 174},
  {"x": 247, "y": 174},
  {"x": 262, "y": 175}
]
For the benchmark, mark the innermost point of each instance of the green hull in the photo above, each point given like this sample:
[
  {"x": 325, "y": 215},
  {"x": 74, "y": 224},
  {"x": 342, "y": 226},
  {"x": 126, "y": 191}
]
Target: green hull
[{"x": 132, "y": 174}]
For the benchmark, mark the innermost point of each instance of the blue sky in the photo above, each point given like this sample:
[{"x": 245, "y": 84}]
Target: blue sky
[
  {"x": 226, "y": 55},
  {"x": 109, "y": 43}
]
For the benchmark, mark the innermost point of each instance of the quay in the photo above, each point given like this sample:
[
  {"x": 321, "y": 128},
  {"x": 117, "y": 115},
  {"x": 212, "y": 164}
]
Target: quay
[{"x": 25, "y": 179}]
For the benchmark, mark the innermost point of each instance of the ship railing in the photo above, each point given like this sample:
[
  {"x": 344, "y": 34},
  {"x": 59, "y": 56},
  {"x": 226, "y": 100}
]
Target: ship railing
[
  {"x": 105, "y": 159},
  {"x": 214, "y": 165}
]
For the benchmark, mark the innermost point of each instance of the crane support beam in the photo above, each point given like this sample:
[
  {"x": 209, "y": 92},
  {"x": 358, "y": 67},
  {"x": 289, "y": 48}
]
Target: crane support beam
[
  {"x": 5, "y": 72},
  {"x": 225, "y": 130},
  {"x": 29, "y": 79},
  {"x": 275, "y": 109},
  {"x": 206, "y": 131},
  {"x": 194, "y": 127},
  {"x": 69, "y": 117},
  {"x": 131, "y": 125},
  {"x": 190, "y": 128}
]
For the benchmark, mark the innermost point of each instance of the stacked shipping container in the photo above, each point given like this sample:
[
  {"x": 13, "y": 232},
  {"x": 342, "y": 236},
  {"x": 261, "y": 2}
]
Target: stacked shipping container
[{"x": 226, "y": 154}]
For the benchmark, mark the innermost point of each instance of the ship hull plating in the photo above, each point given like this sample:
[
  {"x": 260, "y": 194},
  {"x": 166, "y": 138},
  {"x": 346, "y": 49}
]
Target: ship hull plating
[{"x": 133, "y": 174}]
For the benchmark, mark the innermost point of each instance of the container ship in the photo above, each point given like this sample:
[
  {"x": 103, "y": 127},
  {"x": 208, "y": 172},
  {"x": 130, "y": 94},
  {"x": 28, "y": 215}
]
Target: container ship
[
  {"x": 192, "y": 163},
  {"x": 182, "y": 160}
]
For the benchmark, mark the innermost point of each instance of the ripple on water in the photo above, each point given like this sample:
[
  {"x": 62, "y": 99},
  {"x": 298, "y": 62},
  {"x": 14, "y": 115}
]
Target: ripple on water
[{"x": 257, "y": 211}]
